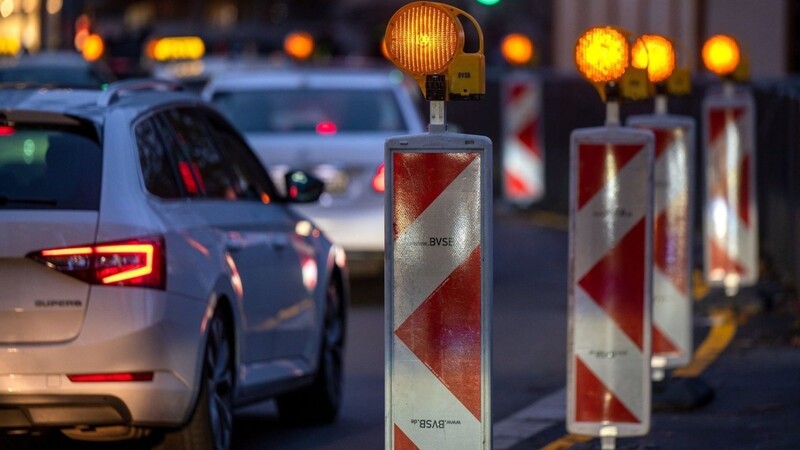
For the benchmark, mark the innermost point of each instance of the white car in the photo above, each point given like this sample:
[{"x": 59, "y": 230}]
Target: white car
[
  {"x": 332, "y": 123},
  {"x": 153, "y": 278}
]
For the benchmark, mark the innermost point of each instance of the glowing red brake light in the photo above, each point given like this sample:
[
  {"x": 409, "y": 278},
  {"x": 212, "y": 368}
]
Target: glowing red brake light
[
  {"x": 378, "y": 182},
  {"x": 6, "y": 130},
  {"x": 137, "y": 262},
  {"x": 326, "y": 128},
  {"x": 191, "y": 178},
  {"x": 111, "y": 377}
]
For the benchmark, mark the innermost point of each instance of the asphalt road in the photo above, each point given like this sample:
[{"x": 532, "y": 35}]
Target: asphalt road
[{"x": 529, "y": 344}]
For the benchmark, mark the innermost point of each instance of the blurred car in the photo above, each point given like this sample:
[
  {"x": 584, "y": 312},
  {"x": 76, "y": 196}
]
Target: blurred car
[
  {"x": 332, "y": 123},
  {"x": 195, "y": 74},
  {"x": 152, "y": 276},
  {"x": 56, "y": 68}
]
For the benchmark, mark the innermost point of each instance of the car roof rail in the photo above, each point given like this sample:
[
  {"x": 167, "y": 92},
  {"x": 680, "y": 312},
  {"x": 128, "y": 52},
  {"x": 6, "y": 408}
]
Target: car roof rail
[{"x": 118, "y": 88}]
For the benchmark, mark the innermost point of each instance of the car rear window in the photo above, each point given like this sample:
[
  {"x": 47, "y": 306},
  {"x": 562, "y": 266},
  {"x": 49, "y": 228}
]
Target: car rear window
[
  {"x": 312, "y": 110},
  {"x": 49, "y": 167}
]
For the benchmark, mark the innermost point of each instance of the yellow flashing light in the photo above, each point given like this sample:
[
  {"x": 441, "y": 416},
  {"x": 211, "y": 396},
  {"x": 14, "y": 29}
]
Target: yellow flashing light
[
  {"x": 639, "y": 56},
  {"x": 517, "y": 49},
  {"x": 93, "y": 47},
  {"x": 299, "y": 45},
  {"x": 424, "y": 39},
  {"x": 9, "y": 46},
  {"x": 601, "y": 54},
  {"x": 656, "y": 54},
  {"x": 721, "y": 54},
  {"x": 176, "y": 48}
]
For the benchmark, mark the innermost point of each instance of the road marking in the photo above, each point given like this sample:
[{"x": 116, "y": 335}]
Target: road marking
[
  {"x": 700, "y": 288},
  {"x": 723, "y": 328},
  {"x": 529, "y": 421},
  {"x": 551, "y": 409},
  {"x": 565, "y": 442}
]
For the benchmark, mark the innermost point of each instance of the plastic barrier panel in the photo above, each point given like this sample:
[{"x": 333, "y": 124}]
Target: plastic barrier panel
[
  {"x": 610, "y": 267},
  {"x": 730, "y": 209},
  {"x": 673, "y": 196},
  {"x": 523, "y": 153},
  {"x": 438, "y": 291}
]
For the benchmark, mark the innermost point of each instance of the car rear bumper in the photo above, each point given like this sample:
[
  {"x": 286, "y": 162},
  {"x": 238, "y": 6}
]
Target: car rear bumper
[
  {"x": 33, "y": 411},
  {"x": 126, "y": 330}
]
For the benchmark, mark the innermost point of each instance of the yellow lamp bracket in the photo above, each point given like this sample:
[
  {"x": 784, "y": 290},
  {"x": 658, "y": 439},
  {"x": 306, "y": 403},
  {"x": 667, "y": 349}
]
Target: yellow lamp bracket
[
  {"x": 634, "y": 84},
  {"x": 679, "y": 83},
  {"x": 742, "y": 72},
  {"x": 426, "y": 41}
]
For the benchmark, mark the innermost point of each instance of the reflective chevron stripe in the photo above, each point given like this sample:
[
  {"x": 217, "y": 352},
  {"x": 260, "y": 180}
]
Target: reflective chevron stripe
[
  {"x": 437, "y": 370},
  {"x": 730, "y": 222},
  {"x": 523, "y": 155},
  {"x": 609, "y": 281},
  {"x": 673, "y": 198}
]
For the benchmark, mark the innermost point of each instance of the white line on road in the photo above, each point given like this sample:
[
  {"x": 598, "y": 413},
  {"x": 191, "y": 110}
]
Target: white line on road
[{"x": 530, "y": 420}]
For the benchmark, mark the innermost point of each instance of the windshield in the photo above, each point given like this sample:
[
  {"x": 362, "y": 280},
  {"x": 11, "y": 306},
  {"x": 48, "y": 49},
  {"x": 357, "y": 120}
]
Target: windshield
[
  {"x": 46, "y": 167},
  {"x": 312, "y": 110}
]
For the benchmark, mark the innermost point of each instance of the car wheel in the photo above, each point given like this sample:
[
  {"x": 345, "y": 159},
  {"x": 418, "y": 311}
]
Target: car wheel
[
  {"x": 319, "y": 402},
  {"x": 211, "y": 424}
]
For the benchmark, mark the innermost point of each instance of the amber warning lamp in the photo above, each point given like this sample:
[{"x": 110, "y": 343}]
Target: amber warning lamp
[
  {"x": 656, "y": 55},
  {"x": 722, "y": 56},
  {"x": 517, "y": 49},
  {"x": 601, "y": 56},
  {"x": 426, "y": 41}
]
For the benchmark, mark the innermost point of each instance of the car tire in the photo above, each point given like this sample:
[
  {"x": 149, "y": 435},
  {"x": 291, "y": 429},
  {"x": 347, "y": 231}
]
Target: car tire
[
  {"x": 319, "y": 402},
  {"x": 211, "y": 424}
]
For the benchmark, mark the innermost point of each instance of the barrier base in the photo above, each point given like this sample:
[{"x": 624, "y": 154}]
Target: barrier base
[{"x": 681, "y": 394}]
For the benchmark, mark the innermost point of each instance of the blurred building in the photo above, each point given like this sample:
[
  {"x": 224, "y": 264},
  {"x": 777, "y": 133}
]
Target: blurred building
[
  {"x": 345, "y": 28},
  {"x": 762, "y": 27}
]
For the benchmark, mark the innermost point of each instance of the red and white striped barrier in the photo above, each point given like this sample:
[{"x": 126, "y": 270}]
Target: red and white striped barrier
[
  {"x": 523, "y": 153},
  {"x": 610, "y": 267},
  {"x": 673, "y": 198},
  {"x": 731, "y": 211},
  {"x": 438, "y": 292}
]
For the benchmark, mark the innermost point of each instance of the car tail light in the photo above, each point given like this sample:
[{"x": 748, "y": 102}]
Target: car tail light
[
  {"x": 110, "y": 377},
  {"x": 6, "y": 130},
  {"x": 378, "y": 182},
  {"x": 135, "y": 262},
  {"x": 326, "y": 128}
]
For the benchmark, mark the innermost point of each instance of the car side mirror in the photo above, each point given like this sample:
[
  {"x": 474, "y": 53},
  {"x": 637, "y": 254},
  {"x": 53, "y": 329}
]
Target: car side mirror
[{"x": 302, "y": 187}]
